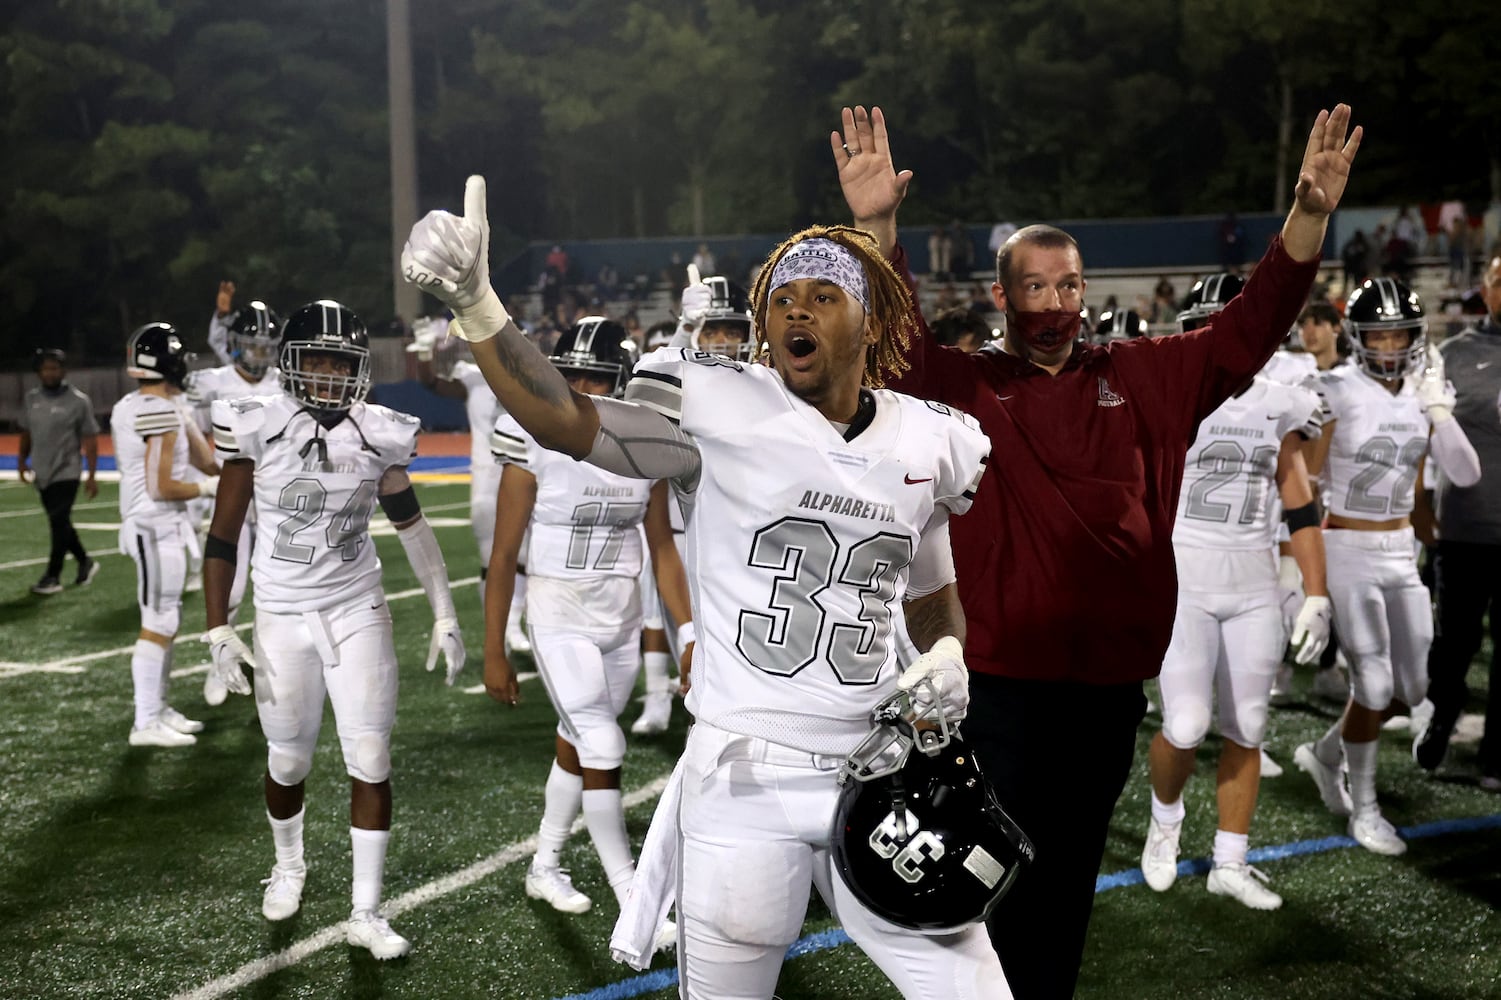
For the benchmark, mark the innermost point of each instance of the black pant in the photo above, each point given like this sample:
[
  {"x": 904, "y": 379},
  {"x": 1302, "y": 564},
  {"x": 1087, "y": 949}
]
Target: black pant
[
  {"x": 57, "y": 501},
  {"x": 1467, "y": 578},
  {"x": 1058, "y": 756}
]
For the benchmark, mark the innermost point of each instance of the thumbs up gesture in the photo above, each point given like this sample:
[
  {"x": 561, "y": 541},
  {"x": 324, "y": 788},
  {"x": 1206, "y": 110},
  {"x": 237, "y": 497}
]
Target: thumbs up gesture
[{"x": 449, "y": 256}]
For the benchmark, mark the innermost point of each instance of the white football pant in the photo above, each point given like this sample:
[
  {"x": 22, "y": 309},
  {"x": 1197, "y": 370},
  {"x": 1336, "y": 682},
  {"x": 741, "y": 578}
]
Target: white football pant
[
  {"x": 589, "y": 679},
  {"x": 160, "y": 552},
  {"x": 1382, "y": 613}
]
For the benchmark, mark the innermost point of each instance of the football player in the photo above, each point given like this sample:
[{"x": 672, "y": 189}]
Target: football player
[
  {"x": 818, "y": 554},
  {"x": 1228, "y": 635},
  {"x": 155, "y": 444},
  {"x": 1386, "y": 412},
  {"x": 252, "y": 335},
  {"x": 584, "y": 612},
  {"x": 314, "y": 461},
  {"x": 465, "y": 382}
]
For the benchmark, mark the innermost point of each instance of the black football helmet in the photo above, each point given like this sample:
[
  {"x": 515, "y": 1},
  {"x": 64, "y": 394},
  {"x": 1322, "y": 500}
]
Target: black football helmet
[
  {"x": 1207, "y": 297},
  {"x": 918, "y": 835},
  {"x": 598, "y": 347},
  {"x": 1386, "y": 304},
  {"x": 728, "y": 318},
  {"x": 1119, "y": 324},
  {"x": 325, "y": 356},
  {"x": 254, "y": 334},
  {"x": 155, "y": 353}
]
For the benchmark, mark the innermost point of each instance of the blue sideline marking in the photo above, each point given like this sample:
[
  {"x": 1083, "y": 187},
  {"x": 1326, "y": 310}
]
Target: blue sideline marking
[{"x": 661, "y": 979}]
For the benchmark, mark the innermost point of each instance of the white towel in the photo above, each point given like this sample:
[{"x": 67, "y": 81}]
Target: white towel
[{"x": 654, "y": 888}]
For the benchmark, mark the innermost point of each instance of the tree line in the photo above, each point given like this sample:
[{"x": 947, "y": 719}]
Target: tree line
[{"x": 152, "y": 147}]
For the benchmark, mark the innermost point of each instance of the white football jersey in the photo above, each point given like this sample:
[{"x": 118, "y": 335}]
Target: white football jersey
[
  {"x": 225, "y": 382},
  {"x": 799, "y": 542},
  {"x": 315, "y": 490},
  {"x": 1230, "y": 476},
  {"x": 1290, "y": 367},
  {"x": 585, "y": 534},
  {"x": 483, "y": 410},
  {"x": 134, "y": 421},
  {"x": 1377, "y": 447}
]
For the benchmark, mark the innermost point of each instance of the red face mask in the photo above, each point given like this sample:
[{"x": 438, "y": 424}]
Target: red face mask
[{"x": 1045, "y": 330}]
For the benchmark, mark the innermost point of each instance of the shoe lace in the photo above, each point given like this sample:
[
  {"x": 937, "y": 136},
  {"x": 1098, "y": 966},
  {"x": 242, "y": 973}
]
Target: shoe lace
[
  {"x": 1161, "y": 847},
  {"x": 279, "y": 880}
]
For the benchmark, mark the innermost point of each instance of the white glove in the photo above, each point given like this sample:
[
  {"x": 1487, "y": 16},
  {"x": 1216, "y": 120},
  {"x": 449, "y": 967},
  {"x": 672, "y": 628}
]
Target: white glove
[
  {"x": 1311, "y": 630},
  {"x": 231, "y": 657},
  {"x": 449, "y": 257},
  {"x": 943, "y": 665},
  {"x": 696, "y": 301},
  {"x": 425, "y": 336},
  {"x": 1435, "y": 392},
  {"x": 446, "y": 640},
  {"x": 1289, "y": 590},
  {"x": 208, "y": 487}
]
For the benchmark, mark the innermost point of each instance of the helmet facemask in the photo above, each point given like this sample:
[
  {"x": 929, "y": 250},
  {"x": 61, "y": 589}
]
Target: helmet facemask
[
  {"x": 310, "y": 374},
  {"x": 1393, "y": 364}
]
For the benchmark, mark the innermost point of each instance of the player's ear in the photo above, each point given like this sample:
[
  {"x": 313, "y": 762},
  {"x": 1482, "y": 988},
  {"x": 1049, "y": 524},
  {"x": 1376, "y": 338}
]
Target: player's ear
[{"x": 872, "y": 332}]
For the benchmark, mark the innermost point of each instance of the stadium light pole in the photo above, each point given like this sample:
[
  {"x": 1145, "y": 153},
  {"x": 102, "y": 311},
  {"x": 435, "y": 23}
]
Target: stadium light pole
[{"x": 406, "y": 297}]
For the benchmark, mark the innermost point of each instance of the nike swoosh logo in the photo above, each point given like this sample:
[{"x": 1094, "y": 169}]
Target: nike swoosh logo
[
  {"x": 1004, "y": 398},
  {"x": 913, "y": 482},
  {"x": 1482, "y": 366},
  {"x": 1271, "y": 416}
]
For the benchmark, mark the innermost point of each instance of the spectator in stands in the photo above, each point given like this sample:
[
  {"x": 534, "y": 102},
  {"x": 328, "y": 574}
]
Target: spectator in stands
[
  {"x": 1406, "y": 230},
  {"x": 961, "y": 328},
  {"x": 607, "y": 283},
  {"x": 1232, "y": 243},
  {"x": 703, "y": 259},
  {"x": 1396, "y": 257},
  {"x": 961, "y": 251},
  {"x": 1354, "y": 255},
  {"x": 557, "y": 262},
  {"x": 1459, "y": 252},
  {"x": 999, "y": 234},
  {"x": 1164, "y": 307},
  {"x": 57, "y": 422},
  {"x": 940, "y": 253}
]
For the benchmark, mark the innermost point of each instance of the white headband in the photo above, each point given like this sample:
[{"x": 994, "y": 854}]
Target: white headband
[{"x": 823, "y": 260}]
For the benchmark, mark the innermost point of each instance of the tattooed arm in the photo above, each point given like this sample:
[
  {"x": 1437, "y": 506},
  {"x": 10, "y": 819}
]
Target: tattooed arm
[{"x": 534, "y": 392}]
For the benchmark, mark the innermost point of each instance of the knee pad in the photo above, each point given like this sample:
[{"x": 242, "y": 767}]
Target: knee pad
[
  {"x": 1371, "y": 681},
  {"x": 369, "y": 759},
  {"x": 162, "y": 621},
  {"x": 601, "y": 748},
  {"x": 288, "y": 763},
  {"x": 1412, "y": 689},
  {"x": 1186, "y": 724},
  {"x": 1244, "y": 725}
]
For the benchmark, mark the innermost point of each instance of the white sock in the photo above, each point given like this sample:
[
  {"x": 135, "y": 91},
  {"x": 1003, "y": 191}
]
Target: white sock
[
  {"x": 369, "y": 868},
  {"x": 146, "y": 663},
  {"x": 168, "y": 655},
  {"x": 1362, "y": 760},
  {"x": 1327, "y": 747},
  {"x": 605, "y": 817},
  {"x": 561, "y": 803},
  {"x": 1230, "y": 848},
  {"x": 286, "y": 834},
  {"x": 1168, "y": 814},
  {"x": 655, "y": 665}
]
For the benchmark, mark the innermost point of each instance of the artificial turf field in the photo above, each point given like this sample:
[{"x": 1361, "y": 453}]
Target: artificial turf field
[{"x": 130, "y": 872}]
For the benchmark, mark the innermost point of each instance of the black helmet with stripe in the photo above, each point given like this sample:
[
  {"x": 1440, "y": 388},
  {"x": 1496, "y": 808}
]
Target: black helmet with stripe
[
  {"x": 325, "y": 356},
  {"x": 253, "y": 336},
  {"x": 155, "y": 353},
  {"x": 1382, "y": 304},
  {"x": 1207, "y": 297},
  {"x": 1119, "y": 324},
  {"x": 599, "y": 348}
]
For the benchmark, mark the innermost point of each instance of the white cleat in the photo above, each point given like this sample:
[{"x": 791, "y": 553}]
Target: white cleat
[
  {"x": 1330, "y": 779},
  {"x": 1244, "y": 884},
  {"x": 1282, "y": 685},
  {"x": 1331, "y": 685},
  {"x": 369, "y": 930},
  {"x": 655, "y": 715},
  {"x": 214, "y": 691},
  {"x": 1370, "y": 830},
  {"x": 1269, "y": 768},
  {"x": 517, "y": 642},
  {"x": 159, "y": 734},
  {"x": 180, "y": 722},
  {"x": 1159, "y": 858},
  {"x": 283, "y": 892},
  {"x": 667, "y": 937},
  {"x": 555, "y": 888},
  {"x": 193, "y": 584}
]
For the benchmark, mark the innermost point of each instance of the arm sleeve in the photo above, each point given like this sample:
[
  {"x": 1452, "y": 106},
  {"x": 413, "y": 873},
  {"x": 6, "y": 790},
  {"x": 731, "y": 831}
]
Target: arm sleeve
[
  {"x": 423, "y": 552},
  {"x": 1454, "y": 454},
  {"x": 218, "y": 337},
  {"x": 933, "y": 563},
  {"x": 638, "y": 440}
]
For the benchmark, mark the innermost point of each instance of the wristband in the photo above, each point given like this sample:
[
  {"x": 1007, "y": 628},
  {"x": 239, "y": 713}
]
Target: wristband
[
  {"x": 480, "y": 321},
  {"x": 686, "y": 635}
]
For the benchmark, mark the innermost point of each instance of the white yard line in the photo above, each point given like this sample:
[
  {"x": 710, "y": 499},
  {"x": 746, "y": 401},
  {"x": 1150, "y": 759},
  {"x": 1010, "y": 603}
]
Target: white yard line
[
  {"x": 39, "y": 512},
  {"x": 259, "y": 969},
  {"x": 42, "y": 560},
  {"x": 75, "y": 664}
]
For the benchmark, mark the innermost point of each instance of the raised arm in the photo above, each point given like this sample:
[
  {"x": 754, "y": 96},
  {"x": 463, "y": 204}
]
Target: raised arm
[
  {"x": 448, "y": 256},
  {"x": 872, "y": 187},
  {"x": 1321, "y": 182}
]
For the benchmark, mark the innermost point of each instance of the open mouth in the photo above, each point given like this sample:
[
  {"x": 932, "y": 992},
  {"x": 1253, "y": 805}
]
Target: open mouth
[{"x": 800, "y": 345}]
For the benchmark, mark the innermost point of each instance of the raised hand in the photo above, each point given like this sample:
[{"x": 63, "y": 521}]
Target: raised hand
[
  {"x": 1326, "y": 161},
  {"x": 872, "y": 186},
  {"x": 449, "y": 256},
  {"x": 225, "y": 300},
  {"x": 696, "y": 301}
]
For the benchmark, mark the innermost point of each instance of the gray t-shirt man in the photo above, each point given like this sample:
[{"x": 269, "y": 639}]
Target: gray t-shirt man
[
  {"x": 1472, "y": 361},
  {"x": 57, "y": 421}
]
